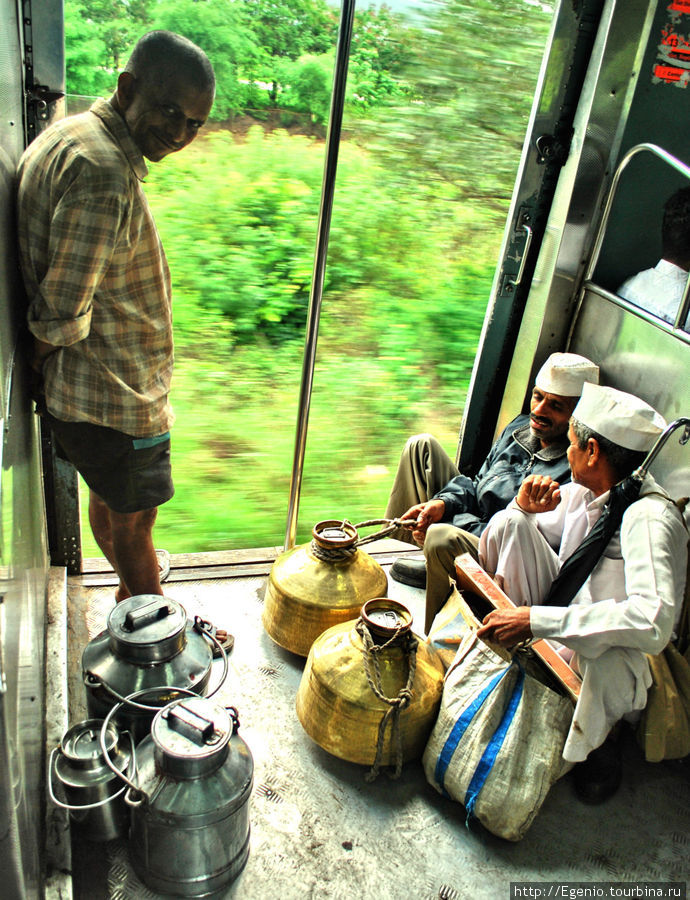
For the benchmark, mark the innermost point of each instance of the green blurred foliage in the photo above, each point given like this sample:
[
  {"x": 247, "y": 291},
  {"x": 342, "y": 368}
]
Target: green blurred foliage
[
  {"x": 220, "y": 27},
  {"x": 249, "y": 255},
  {"x": 472, "y": 81}
]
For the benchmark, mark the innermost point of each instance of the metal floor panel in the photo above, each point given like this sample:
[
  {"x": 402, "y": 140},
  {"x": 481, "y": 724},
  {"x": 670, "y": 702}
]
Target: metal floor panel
[{"x": 318, "y": 829}]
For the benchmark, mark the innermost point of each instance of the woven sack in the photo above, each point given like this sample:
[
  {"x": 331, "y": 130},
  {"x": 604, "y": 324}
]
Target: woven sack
[
  {"x": 663, "y": 731},
  {"x": 452, "y": 624},
  {"x": 497, "y": 743}
]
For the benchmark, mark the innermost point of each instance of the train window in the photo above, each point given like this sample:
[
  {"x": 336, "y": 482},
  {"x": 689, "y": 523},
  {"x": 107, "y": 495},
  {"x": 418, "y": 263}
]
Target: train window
[
  {"x": 659, "y": 289},
  {"x": 643, "y": 249}
]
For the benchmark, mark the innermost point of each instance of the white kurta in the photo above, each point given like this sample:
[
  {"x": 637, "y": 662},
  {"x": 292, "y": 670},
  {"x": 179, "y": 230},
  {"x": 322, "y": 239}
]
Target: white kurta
[
  {"x": 658, "y": 290},
  {"x": 627, "y": 608}
]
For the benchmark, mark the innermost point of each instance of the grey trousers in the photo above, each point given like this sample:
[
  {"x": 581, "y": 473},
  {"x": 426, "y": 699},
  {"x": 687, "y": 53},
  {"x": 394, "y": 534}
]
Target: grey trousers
[{"x": 424, "y": 469}]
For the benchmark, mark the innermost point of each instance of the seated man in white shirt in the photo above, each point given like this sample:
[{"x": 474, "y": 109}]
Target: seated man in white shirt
[
  {"x": 630, "y": 603},
  {"x": 660, "y": 290}
]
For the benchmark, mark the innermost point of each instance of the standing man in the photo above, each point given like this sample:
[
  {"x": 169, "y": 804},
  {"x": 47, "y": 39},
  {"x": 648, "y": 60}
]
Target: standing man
[
  {"x": 450, "y": 510},
  {"x": 630, "y": 603},
  {"x": 99, "y": 292}
]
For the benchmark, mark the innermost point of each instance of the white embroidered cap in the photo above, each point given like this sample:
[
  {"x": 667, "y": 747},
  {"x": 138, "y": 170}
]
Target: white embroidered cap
[
  {"x": 622, "y": 418},
  {"x": 565, "y": 373}
]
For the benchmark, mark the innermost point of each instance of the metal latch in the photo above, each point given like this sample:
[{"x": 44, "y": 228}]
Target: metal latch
[{"x": 41, "y": 96}]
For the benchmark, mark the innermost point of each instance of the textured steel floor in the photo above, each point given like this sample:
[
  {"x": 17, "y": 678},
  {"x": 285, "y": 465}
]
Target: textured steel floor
[{"x": 319, "y": 830}]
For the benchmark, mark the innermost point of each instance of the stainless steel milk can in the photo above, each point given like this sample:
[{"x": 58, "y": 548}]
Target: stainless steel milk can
[
  {"x": 93, "y": 793},
  {"x": 148, "y": 643},
  {"x": 190, "y": 803}
]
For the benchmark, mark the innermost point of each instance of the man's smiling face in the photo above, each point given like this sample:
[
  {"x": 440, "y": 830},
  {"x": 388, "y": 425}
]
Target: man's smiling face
[
  {"x": 549, "y": 415},
  {"x": 163, "y": 116}
]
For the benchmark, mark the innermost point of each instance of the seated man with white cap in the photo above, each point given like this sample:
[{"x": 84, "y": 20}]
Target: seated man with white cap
[
  {"x": 630, "y": 603},
  {"x": 449, "y": 510}
]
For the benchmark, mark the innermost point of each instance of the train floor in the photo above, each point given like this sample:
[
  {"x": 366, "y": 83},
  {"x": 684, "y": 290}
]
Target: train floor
[{"x": 319, "y": 830}]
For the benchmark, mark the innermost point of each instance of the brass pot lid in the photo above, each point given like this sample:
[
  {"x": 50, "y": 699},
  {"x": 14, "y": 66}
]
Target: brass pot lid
[
  {"x": 386, "y": 619},
  {"x": 335, "y": 534}
]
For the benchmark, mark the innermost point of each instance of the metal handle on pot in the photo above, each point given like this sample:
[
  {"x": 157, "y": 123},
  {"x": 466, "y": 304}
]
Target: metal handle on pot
[
  {"x": 203, "y": 627},
  {"x": 96, "y": 804},
  {"x": 104, "y": 750}
]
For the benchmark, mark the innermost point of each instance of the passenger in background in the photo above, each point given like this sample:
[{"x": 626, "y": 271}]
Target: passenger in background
[
  {"x": 660, "y": 290},
  {"x": 98, "y": 287},
  {"x": 449, "y": 510},
  {"x": 629, "y": 605}
]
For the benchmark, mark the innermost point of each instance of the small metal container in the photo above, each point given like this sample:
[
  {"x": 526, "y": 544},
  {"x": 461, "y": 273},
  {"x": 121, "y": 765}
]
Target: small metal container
[
  {"x": 148, "y": 643},
  {"x": 190, "y": 811},
  {"x": 317, "y": 585},
  {"x": 94, "y": 794}
]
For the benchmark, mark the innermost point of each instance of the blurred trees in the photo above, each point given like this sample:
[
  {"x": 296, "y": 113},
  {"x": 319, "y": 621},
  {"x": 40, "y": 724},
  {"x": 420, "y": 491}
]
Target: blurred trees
[
  {"x": 238, "y": 221},
  {"x": 472, "y": 79},
  {"x": 277, "y": 54}
]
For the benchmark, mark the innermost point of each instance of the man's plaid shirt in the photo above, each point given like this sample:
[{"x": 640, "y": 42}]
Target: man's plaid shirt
[{"x": 96, "y": 275}]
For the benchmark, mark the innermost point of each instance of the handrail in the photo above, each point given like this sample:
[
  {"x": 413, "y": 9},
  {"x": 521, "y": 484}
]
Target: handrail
[{"x": 347, "y": 12}]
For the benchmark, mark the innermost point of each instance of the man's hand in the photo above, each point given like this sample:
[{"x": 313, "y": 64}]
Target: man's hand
[
  {"x": 422, "y": 515},
  {"x": 538, "y": 493},
  {"x": 40, "y": 352},
  {"x": 507, "y": 627}
]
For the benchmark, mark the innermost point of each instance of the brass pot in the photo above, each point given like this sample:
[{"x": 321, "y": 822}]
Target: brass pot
[
  {"x": 336, "y": 701},
  {"x": 315, "y": 586}
]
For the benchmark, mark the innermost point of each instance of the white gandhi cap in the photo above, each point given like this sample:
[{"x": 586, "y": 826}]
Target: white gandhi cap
[
  {"x": 622, "y": 418},
  {"x": 565, "y": 373}
]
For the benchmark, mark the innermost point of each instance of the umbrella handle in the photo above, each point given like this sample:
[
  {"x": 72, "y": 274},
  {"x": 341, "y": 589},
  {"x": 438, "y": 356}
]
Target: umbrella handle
[{"x": 661, "y": 440}]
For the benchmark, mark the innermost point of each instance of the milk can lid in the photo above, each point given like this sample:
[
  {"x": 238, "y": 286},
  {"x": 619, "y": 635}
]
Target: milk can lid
[
  {"x": 146, "y": 619},
  {"x": 191, "y": 728},
  {"x": 81, "y": 746}
]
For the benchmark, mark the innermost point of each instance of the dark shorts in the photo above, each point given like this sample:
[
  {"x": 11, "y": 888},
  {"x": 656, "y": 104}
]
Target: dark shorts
[{"x": 128, "y": 474}]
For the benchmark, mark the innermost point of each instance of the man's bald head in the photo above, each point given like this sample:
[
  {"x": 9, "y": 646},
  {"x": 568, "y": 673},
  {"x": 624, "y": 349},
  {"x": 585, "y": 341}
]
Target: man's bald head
[{"x": 160, "y": 55}]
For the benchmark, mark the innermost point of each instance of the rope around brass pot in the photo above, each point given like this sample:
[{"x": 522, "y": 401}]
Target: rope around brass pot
[
  {"x": 332, "y": 554},
  {"x": 395, "y": 704}
]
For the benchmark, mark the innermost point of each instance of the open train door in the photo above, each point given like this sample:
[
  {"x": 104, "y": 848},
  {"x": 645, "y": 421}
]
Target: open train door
[{"x": 31, "y": 83}]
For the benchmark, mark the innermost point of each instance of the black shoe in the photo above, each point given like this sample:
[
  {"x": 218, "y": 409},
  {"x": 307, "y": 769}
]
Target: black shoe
[
  {"x": 599, "y": 776},
  {"x": 410, "y": 570}
]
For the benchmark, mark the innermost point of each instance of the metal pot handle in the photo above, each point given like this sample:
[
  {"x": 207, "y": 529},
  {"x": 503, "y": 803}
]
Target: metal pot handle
[
  {"x": 104, "y": 728},
  {"x": 92, "y": 681},
  {"x": 72, "y": 806}
]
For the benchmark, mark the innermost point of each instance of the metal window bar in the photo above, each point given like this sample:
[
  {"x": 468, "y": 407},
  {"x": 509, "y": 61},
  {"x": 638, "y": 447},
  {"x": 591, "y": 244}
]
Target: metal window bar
[{"x": 335, "y": 120}]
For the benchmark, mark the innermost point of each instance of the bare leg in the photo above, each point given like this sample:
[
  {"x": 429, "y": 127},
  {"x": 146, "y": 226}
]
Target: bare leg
[
  {"x": 99, "y": 519},
  {"x": 126, "y": 541}
]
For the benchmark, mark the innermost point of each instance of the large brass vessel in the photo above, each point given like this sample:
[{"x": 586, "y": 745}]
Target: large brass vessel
[
  {"x": 371, "y": 689},
  {"x": 315, "y": 586}
]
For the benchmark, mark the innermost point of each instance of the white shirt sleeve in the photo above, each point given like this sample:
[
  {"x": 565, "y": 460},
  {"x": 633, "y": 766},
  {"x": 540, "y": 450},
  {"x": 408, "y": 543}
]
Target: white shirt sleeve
[{"x": 654, "y": 551}]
